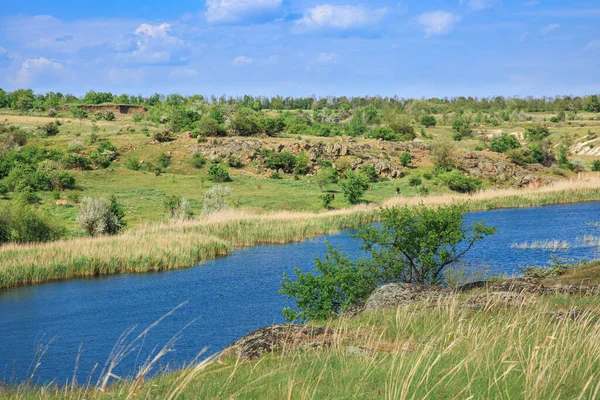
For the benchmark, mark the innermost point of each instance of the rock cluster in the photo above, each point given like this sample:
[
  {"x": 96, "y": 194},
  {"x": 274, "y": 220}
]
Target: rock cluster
[
  {"x": 394, "y": 295},
  {"x": 279, "y": 337},
  {"x": 343, "y": 153},
  {"x": 501, "y": 171}
]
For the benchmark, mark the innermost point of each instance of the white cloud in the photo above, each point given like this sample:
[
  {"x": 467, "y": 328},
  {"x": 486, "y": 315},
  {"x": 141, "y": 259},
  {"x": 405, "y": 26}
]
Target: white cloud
[
  {"x": 593, "y": 45},
  {"x": 326, "y": 59},
  {"x": 438, "y": 22},
  {"x": 183, "y": 73},
  {"x": 151, "y": 44},
  {"x": 241, "y": 61},
  {"x": 34, "y": 68},
  {"x": 479, "y": 5},
  {"x": 552, "y": 27},
  {"x": 232, "y": 11},
  {"x": 327, "y": 16},
  {"x": 530, "y": 3}
]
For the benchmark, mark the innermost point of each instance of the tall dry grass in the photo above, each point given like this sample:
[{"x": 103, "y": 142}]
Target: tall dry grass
[
  {"x": 172, "y": 245},
  {"x": 444, "y": 351}
]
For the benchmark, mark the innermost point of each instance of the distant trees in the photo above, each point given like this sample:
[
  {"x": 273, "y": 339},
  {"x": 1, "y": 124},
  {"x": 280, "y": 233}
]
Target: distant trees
[{"x": 591, "y": 103}]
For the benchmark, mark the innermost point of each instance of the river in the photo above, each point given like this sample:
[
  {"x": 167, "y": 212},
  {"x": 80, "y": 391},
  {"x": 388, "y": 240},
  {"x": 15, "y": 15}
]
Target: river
[{"x": 76, "y": 324}]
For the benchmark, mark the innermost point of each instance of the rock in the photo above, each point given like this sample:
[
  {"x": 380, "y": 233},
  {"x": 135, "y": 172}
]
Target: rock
[
  {"x": 61, "y": 202},
  {"x": 394, "y": 295},
  {"x": 497, "y": 299},
  {"x": 532, "y": 286},
  {"x": 278, "y": 337},
  {"x": 354, "y": 351},
  {"x": 572, "y": 315}
]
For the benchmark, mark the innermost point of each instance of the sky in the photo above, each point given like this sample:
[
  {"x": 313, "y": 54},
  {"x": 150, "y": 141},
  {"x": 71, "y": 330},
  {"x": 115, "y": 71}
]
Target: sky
[{"x": 419, "y": 48}]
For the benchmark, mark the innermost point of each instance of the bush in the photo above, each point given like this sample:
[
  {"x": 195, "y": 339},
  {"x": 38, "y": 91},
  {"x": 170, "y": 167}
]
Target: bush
[
  {"x": 234, "y": 161},
  {"x": 412, "y": 244},
  {"x": 245, "y": 122},
  {"x": 369, "y": 172},
  {"x": 503, "y": 143},
  {"x": 163, "y": 136},
  {"x": 133, "y": 163},
  {"x": 461, "y": 127},
  {"x": 563, "y": 160},
  {"x": 75, "y": 146},
  {"x": 535, "y": 133},
  {"x": 79, "y": 113},
  {"x": 96, "y": 216},
  {"x": 414, "y": 181},
  {"x": 403, "y": 128},
  {"x": 441, "y": 154},
  {"x": 198, "y": 160},
  {"x": 27, "y": 225},
  {"x": 405, "y": 159},
  {"x": 284, "y": 160},
  {"x": 74, "y": 161},
  {"x": 596, "y": 165},
  {"x": 384, "y": 133},
  {"x": 326, "y": 199},
  {"x": 428, "y": 121},
  {"x": 301, "y": 166},
  {"x": 101, "y": 160},
  {"x": 459, "y": 182},
  {"x": 354, "y": 186},
  {"x": 275, "y": 175},
  {"x": 50, "y": 129},
  {"x": 164, "y": 160},
  {"x": 105, "y": 115},
  {"x": 215, "y": 199},
  {"x": 218, "y": 173},
  {"x": 178, "y": 208},
  {"x": 325, "y": 176},
  {"x": 208, "y": 126}
]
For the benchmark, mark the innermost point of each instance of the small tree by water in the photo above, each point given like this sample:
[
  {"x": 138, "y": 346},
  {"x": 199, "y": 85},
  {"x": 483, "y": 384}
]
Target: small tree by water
[
  {"x": 215, "y": 199},
  {"x": 96, "y": 216},
  {"x": 413, "y": 244}
]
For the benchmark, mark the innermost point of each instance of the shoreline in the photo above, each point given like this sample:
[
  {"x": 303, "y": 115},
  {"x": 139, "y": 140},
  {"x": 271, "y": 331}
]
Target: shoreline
[{"x": 175, "y": 245}]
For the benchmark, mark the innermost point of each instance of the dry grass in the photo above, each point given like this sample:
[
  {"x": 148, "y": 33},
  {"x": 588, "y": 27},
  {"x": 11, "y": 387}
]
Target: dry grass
[{"x": 443, "y": 352}]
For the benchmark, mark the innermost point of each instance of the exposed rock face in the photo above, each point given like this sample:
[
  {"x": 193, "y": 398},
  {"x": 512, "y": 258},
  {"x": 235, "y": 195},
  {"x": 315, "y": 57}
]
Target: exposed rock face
[
  {"x": 497, "y": 299},
  {"x": 500, "y": 171},
  {"x": 532, "y": 286},
  {"x": 383, "y": 156},
  {"x": 279, "y": 337},
  {"x": 394, "y": 295}
]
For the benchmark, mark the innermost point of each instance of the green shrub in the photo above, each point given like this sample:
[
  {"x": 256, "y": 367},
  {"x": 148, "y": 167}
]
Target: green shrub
[
  {"x": 50, "y": 129},
  {"x": 245, "y": 122},
  {"x": 209, "y": 126},
  {"x": 133, "y": 163},
  {"x": 106, "y": 115},
  {"x": 98, "y": 216},
  {"x": 428, "y": 120},
  {"x": 178, "y": 207},
  {"x": 27, "y": 225},
  {"x": 596, "y": 165},
  {"x": 284, "y": 160},
  {"x": 405, "y": 159},
  {"x": 234, "y": 161},
  {"x": 301, "y": 166},
  {"x": 79, "y": 113},
  {"x": 325, "y": 176},
  {"x": 503, "y": 143},
  {"x": 536, "y": 133},
  {"x": 384, "y": 133},
  {"x": 163, "y": 136},
  {"x": 414, "y": 181},
  {"x": 403, "y": 128},
  {"x": 327, "y": 199},
  {"x": 459, "y": 182},
  {"x": 354, "y": 186},
  {"x": 218, "y": 173},
  {"x": 198, "y": 160},
  {"x": 369, "y": 172},
  {"x": 164, "y": 160},
  {"x": 275, "y": 175},
  {"x": 75, "y": 161},
  {"x": 215, "y": 199}
]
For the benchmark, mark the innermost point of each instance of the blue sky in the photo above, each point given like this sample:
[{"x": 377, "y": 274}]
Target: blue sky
[{"x": 303, "y": 47}]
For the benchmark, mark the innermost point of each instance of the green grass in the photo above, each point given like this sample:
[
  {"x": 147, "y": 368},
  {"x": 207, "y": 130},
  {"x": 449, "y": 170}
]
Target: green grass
[{"x": 416, "y": 352}]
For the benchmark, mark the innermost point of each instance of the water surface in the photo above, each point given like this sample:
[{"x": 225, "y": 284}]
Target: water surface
[{"x": 227, "y": 298}]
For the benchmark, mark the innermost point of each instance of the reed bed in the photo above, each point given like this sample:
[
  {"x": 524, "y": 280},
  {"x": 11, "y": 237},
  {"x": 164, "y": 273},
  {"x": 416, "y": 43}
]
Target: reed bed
[
  {"x": 163, "y": 246},
  {"x": 171, "y": 245},
  {"x": 446, "y": 351},
  {"x": 546, "y": 245}
]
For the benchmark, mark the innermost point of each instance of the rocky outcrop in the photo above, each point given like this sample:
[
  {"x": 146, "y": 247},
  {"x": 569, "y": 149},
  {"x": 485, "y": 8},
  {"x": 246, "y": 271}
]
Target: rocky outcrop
[
  {"x": 278, "y": 338},
  {"x": 394, "y": 295},
  {"x": 500, "y": 171},
  {"x": 497, "y": 299},
  {"x": 342, "y": 153},
  {"x": 531, "y": 286}
]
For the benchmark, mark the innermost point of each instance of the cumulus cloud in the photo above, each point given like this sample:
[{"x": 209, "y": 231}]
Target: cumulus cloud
[
  {"x": 241, "y": 61},
  {"x": 479, "y": 5},
  {"x": 552, "y": 27},
  {"x": 235, "y": 11},
  {"x": 34, "y": 68},
  {"x": 151, "y": 44},
  {"x": 438, "y": 22},
  {"x": 338, "y": 17}
]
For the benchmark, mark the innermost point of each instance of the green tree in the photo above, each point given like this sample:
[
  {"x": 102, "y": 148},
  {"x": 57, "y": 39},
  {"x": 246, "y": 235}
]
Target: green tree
[
  {"x": 428, "y": 120},
  {"x": 405, "y": 159},
  {"x": 325, "y": 176},
  {"x": 218, "y": 173},
  {"x": 327, "y": 198},
  {"x": 117, "y": 210},
  {"x": 442, "y": 153},
  {"x": 563, "y": 159},
  {"x": 208, "y": 126},
  {"x": 591, "y": 103},
  {"x": 535, "y": 133},
  {"x": 412, "y": 244},
  {"x": 503, "y": 143},
  {"x": 245, "y": 122},
  {"x": 354, "y": 186},
  {"x": 596, "y": 165}
]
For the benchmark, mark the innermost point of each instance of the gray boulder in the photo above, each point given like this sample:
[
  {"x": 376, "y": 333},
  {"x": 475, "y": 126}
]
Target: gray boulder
[{"x": 394, "y": 295}]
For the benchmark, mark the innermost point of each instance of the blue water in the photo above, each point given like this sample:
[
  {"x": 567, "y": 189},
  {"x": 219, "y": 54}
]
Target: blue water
[{"x": 224, "y": 300}]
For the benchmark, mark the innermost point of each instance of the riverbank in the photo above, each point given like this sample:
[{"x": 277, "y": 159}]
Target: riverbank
[
  {"x": 161, "y": 247},
  {"x": 482, "y": 343}
]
